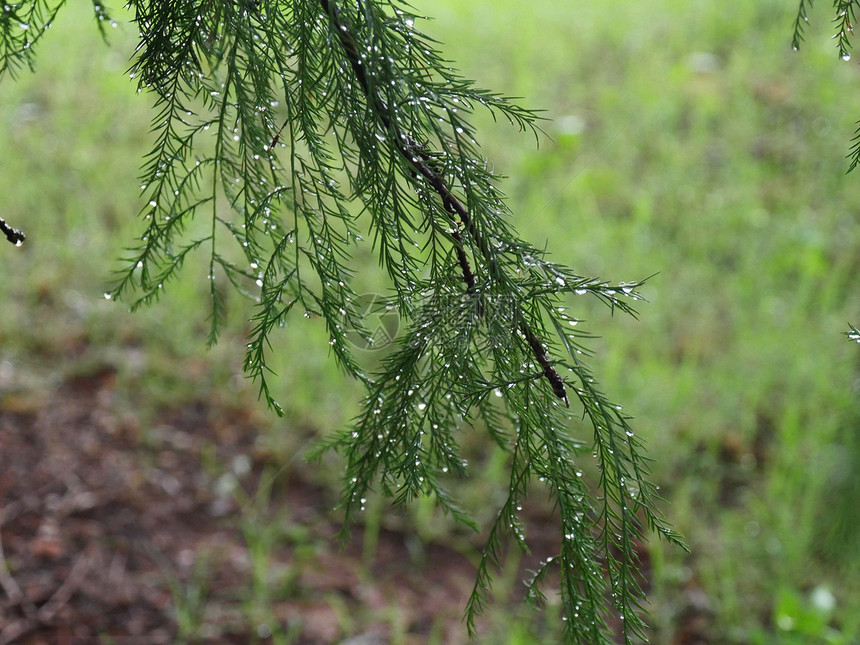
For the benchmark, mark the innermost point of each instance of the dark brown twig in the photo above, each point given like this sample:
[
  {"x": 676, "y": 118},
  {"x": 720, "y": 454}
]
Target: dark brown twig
[
  {"x": 10, "y": 586},
  {"x": 15, "y": 236},
  {"x": 421, "y": 162},
  {"x": 80, "y": 569},
  {"x": 13, "y": 630}
]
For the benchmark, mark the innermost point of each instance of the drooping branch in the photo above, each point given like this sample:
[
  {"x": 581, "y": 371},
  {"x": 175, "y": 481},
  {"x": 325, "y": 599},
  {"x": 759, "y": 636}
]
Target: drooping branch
[
  {"x": 421, "y": 161},
  {"x": 345, "y": 77}
]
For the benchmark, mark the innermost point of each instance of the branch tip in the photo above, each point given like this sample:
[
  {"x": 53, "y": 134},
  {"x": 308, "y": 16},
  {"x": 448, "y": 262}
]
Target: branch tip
[{"x": 15, "y": 236}]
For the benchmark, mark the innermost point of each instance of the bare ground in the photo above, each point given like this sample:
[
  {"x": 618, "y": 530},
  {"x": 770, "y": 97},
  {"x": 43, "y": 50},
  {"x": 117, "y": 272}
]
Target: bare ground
[
  {"x": 115, "y": 529},
  {"x": 105, "y": 524}
]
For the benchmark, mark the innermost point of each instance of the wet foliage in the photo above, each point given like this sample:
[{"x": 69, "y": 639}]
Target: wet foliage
[{"x": 286, "y": 133}]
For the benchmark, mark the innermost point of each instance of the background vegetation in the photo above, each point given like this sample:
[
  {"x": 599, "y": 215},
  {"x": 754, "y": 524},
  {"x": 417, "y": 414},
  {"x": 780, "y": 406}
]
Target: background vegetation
[{"x": 686, "y": 139}]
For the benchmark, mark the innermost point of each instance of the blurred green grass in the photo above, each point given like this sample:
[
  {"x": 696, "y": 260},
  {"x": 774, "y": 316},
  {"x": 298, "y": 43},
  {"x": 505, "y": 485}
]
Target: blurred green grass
[{"x": 685, "y": 139}]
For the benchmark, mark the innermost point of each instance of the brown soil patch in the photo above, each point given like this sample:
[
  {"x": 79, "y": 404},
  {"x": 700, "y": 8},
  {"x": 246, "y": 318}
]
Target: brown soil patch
[{"x": 104, "y": 522}]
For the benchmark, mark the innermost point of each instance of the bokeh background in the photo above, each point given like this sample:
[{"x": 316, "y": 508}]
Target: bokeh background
[{"x": 148, "y": 497}]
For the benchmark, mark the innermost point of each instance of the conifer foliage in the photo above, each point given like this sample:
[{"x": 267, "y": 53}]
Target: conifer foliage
[
  {"x": 288, "y": 131},
  {"x": 843, "y": 31}
]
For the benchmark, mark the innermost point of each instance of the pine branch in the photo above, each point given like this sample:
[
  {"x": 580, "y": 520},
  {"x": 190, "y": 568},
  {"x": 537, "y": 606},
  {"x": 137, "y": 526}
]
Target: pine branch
[
  {"x": 844, "y": 26},
  {"x": 280, "y": 129},
  {"x": 844, "y": 30},
  {"x": 854, "y": 152},
  {"x": 22, "y": 26},
  {"x": 844, "y": 21},
  {"x": 800, "y": 22},
  {"x": 845, "y": 16},
  {"x": 421, "y": 160}
]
